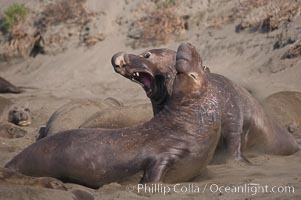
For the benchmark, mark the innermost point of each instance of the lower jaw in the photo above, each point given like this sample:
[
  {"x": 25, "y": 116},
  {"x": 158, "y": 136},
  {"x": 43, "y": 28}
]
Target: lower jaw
[{"x": 24, "y": 123}]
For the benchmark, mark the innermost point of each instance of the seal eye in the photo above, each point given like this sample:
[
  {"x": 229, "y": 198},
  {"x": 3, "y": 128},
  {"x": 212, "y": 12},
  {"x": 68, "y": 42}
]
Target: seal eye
[
  {"x": 146, "y": 55},
  {"x": 193, "y": 76}
]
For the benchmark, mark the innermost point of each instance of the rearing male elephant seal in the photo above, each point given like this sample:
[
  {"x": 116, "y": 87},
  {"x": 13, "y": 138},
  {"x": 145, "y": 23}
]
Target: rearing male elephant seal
[
  {"x": 173, "y": 146},
  {"x": 244, "y": 123}
]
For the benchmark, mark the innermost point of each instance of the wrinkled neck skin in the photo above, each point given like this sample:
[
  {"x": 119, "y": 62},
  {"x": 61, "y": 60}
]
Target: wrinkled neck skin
[
  {"x": 163, "y": 89},
  {"x": 191, "y": 99},
  {"x": 197, "y": 114}
]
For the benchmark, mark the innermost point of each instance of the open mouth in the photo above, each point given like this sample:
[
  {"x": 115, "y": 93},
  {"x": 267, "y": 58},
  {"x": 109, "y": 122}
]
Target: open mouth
[{"x": 144, "y": 79}]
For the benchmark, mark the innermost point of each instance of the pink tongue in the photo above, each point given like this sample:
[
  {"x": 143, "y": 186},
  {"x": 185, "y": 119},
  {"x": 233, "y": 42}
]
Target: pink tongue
[{"x": 146, "y": 80}]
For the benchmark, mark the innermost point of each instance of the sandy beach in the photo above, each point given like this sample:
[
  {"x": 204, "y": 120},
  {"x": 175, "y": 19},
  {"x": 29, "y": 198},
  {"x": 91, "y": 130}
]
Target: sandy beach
[{"x": 73, "y": 70}]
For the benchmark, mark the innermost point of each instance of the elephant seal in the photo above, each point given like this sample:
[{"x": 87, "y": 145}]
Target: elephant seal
[
  {"x": 244, "y": 122},
  {"x": 119, "y": 117},
  {"x": 73, "y": 114},
  {"x": 7, "y": 87},
  {"x": 17, "y": 115},
  {"x": 10, "y": 131},
  {"x": 84, "y": 113},
  {"x": 285, "y": 108},
  {"x": 173, "y": 146},
  {"x": 20, "y": 116}
]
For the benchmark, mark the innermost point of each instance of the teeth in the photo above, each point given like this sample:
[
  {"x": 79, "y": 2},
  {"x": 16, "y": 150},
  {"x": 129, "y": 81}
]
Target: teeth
[{"x": 136, "y": 74}]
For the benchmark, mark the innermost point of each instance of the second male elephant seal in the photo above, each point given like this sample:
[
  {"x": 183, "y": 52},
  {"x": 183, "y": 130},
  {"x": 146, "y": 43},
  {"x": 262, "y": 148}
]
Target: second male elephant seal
[
  {"x": 120, "y": 117},
  {"x": 244, "y": 122},
  {"x": 172, "y": 147},
  {"x": 108, "y": 113},
  {"x": 73, "y": 114}
]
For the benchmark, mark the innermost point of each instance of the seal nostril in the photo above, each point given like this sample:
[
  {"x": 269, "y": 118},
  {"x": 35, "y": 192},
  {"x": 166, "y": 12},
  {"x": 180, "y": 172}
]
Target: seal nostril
[
  {"x": 117, "y": 68},
  {"x": 117, "y": 59}
]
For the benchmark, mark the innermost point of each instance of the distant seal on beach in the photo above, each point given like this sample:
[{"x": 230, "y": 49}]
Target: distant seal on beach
[
  {"x": 10, "y": 116},
  {"x": 244, "y": 122},
  {"x": 84, "y": 113},
  {"x": 174, "y": 146},
  {"x": 7, "y": 87},
  {"x": 18, "y": 115}
]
